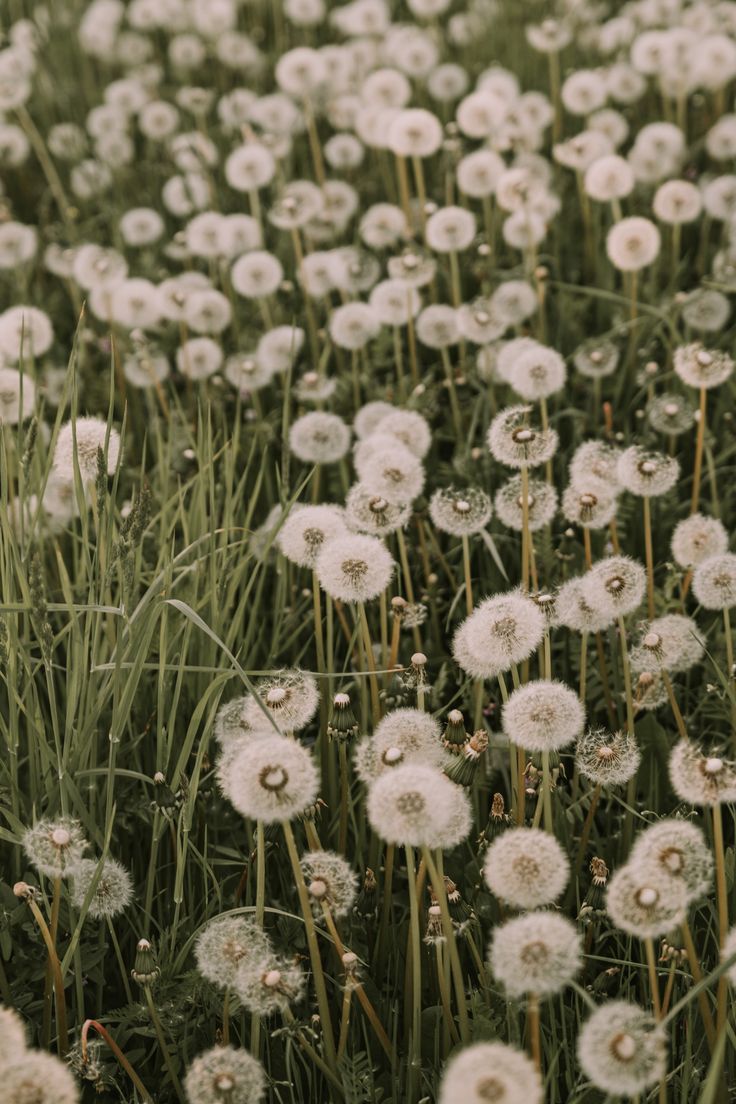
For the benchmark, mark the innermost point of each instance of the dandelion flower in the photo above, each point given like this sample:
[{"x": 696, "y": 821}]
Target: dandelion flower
[
  {"x": 644, "y": 901},
  {"x": 670, "y": 414},
  {"x": 672, "y": 643},
  {"x": 700, "y": 367},
  {"x": 224, "y": 943},
  {"x": 266, "y": 983},
  {"x": 13, "y": 1036},
  {"x": 575, "y": 611},
  {"x": 714, "y": 581},
  {"x": 701, "y": 777},
  {"x": 632, "y": 244},
  {"x": 502, "y": 631},
  {"x": 354, "y": 568},
  {"x": 677, "y": 848},
  {"x": 272, "y": 780},
  {"x": 591, "y": 509},
  {"x": 319, "y": 438},
  {"x": 113, "y": 892},
  {"x": 289, "y": 698},
  {"x": 38, "y": 1078},
  {"x": 13, "y": 388},
  {"x": 607, "y": 758},
  {"x": 594, "y": 467},
  {"x": 541, "y": 504},
  {"x": 224, "y": 1075},
  {"x": 55, "y": 846},
  {"x": 543, "y": 715},
  {"x": 538, "y": 953},
  {"x": 91, "y": 435},
  {"x": 697, "y": 538},
  {"x": 367, "y": 512},
  {"x": 330, "y": 881},
  {"x": 460, "y": 512},
  {"x": 418, "y": 806},
  {"x": 526, "y": 868},
  {"x": 537, "y": 372},
  {"x": 615, "y": 586},
  {"x": 487, "y": 1072},
  {"x": 646, "y": 473},
  {"x": 622, "y": 1049},
  {"x": 450, "y": 230},
  {"x": 389, "y": 469},
  {"x": 306, "y": 529},
  {"x": 513, "y": 441}
]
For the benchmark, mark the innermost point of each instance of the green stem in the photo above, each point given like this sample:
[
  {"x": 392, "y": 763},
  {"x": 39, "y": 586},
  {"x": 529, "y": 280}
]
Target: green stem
[{"x": 438, "y": 885}]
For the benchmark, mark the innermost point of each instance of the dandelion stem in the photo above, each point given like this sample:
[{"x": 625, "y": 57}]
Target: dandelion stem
[
  {"x": 317, "y": 971},
  {"x": 653, "y": 980},
  {"x": 532, "y": 1021},
  {"x": 699, "y": 442},
  {"x": 415, "y": 935},
  {"x": 722, "y": 901},
  {"x": 370, "y": 664},
  {"x": 438, "y": 885},
  {"x": 162, "y": 1043},
  {"x": 122, "y": 1060},
  {"x": 649, "y": 555},
  {"x": 468, "y": 577},
  {"x": 694, "y": 960},
  {"x": 61, "y": 1028}
]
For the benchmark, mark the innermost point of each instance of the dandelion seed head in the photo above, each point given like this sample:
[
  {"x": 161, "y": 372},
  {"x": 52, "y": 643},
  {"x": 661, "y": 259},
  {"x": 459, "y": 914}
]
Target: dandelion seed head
[
  {"x": 39, "y": 1078},
  {"x": 91, "y": 435},
  {"x": 224, "y": 1074},
  {"x": 515, "y": 442},
  {"x": 490, "y": 1073},
  {"x": 700, "y": 367},
  {"x": 543, "y": 715},
  {"x": 614, "y": 586},
  {"x": 539, "y": 952},
  {"x": 644, "y": 901},
  {"x": 224, "y": 943},
  {"x": 607, "y": 758},
  {"x": 418, "y": 806},
  {"x": 501, "y": 631},
  {"x": 526, "y": 868},
  {"x": 622, "y": 1049},
  {"x": 541, "y": 503},
  {"x": 632, "y": 244},
  {"x": 112, "y": 893},
  {"x": 273, "y": 780},
  {"x": 331, "y": 881},
  {"x": 714, "y": 581},
  {"x": 677, "y": 848},
  {"x": 697, "y": 538},
  {"x": 646, "y": 473},
  {"x": 701, "y": 777},
  {"x": 460, "y": 512},
  {"x": 289, "y": 699},
  {"x": 354, "y": 568},
  {"x": 266, "y": 983},
  {"x": 306, "y": 529},
  {"x": 55, "y": 846},
  {"x": 13, "y": 1036},
  {"x": 319, "y": 438}
]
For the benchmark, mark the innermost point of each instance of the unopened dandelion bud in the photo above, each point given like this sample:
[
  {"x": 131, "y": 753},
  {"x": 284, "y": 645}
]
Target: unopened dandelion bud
[
  {"x": 163, "y": 796},
  {"x": 342, "y": 724},
  {"x": 455, "y": 736},
  {"x": 145, "y": 971},
  {"x": 365, "y": 904},
  {"x": 464, "y": 765}
]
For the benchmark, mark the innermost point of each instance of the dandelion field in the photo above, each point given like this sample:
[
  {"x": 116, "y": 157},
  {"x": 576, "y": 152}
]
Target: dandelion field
[{"x": 367, "y": 700}]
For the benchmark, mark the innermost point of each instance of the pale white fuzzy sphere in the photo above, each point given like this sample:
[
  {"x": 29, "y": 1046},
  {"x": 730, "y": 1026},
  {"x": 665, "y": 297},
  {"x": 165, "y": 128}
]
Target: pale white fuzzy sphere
[
  {"x": 437, "y": 326},
  {"x": 588, "y": 508},
  {"x": 514, "y": 441},
  {"x": 81, "y": 440},
  {"x": 367, "y": 512},
  {"x": 537, "y": 372},
  {"x": 607, "y": 758},
  {"x": 330, "y": 881},
  {"x": 478, "y": 173},
  {"x": 199, "y": 358},
  {"x": 410, "y": 428},
  {"x": 700, "y": 367},
  {"x": 25, "y": 332},
  {"x": 306, "y": 529},
  {"x": 543, "y": 715},
  {"x": 594, "y": 466},
  {"x": 354, "y": 568},
  {"x": 13, "y": 388},
  {"x": 224, "y": 1073},
  {"x": 13, "y": 1036},
  {"x": 714, "y": 582},
  {"x": 526, "y": 868},
  {"x": 645, "y": 901},
  {"x": 353, "y": 325},
  {"x": 608, "y": 178},
  {"x": 287, "y": 699},
  {"x": 679, "y": 849},
  {"x": 701, "y": 777},
  {"x": 269, "y": 983},
  {"x": 622, "y": 1049},
  {"x": 319, "y": 438},
  {"x": 450, "y": 230},
  {"x": 272, "y": 780},
  {"x": 646, "y": 473},
  {"x": 402, "y": 736},
  {"x": 257, "y": 275},
  {"x": 113, "y": 891},
  {"x": 415, "y": 132},
  {"x": 223, "y": 944},
  {"x": 574, "y": 611},
  {"x": 389, "y": 469},
  {"x": 368, "y": 418},
  {"x": 632, "y": 244},
  {"x": 539, "y": 953},
  {"x": 615, "y": 586},
  {"x": 541, "y": 503},
  {"x": 696, "y": 538},
  {"x": 677, "y": 202},
  {"x": 460, "y": 512},
  {"x": 41, "y": 1078},
  {"x": 418, "y": 806},
  {"x": 672, "y": 643},
  {"x": 504, "y": 629},
  {"x": 494, "y": 1072}
]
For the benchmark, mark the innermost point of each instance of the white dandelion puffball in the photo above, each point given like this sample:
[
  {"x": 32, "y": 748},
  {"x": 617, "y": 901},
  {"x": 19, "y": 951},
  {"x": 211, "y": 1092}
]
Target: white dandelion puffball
[
  {"x": 331, "y": 881},
  {"x": 112, "y": 893},
  {"x": 622, "y": 1049},
  {"x": 450, "y": 230},
  {"x": 614, "y": 586},
  {"x": 502, "y": 631},
  {"x": 714, "y": 582},
  {"x": 224, "y": 1073},
  {"x": 354, "y": 568},
  {"x": 39, "y": 1077},
  {"x": 538, "y": 953},
  {"x": 17, "y": 396},
  {"x": 632, "y": 244},
  {"x": 645, "y": 901},
  {"x": 54, "y": 847},
  {"x": 646, "y": 473},
  {"x": 697, "y": 538},
  {"x": 13, "y": 1036},
  {"x": 223, "y": 944},
  {"x": 679, "y": 849},
  {"x": 80, "y": 440},
  {"x": 319, "y": 438},
  {"x": 494, "y": 1072},
  {"x": 701, "y": 777},
  {"x": 460, "y": 512},
  {"x": 607, "y": 758},
  {"x": 526, "y": 868},
  {"x": 418, "y": 806},
  {"x": 702, "y": 368},
  {"x": 514, "y": 441},
  {"x": 269, "y": 983},
  {"x": 543, "y": 715},
  {"x": 272, "y": 780},
  {"x": 25, "y": 333},
  {"x": 288, "y": 699},
  {"x": 368, "y": 512},
  {"x": 672, "y": 643},
  {"x": 306, "y": 529},
  {"x": 389, "y": 469}
]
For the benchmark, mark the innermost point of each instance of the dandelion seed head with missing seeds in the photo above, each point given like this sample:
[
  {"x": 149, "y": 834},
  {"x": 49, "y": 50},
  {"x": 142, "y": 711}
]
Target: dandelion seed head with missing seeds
[
  {"x": 594, "y": 466},
  {"x": 224, "y": 943},
  {"x": 526, "y": 868},
  {"x": 112, "y": 893},
  {"x": 672, "y": 643},
  {"x": 331, "y": 881},
  {"x": 272, "y": 780},
  {"x": 644, "y": 901},
  {"x": 596, "y": 359},
  {"x": 543, "y": 715},
  {"x": 622, "y": 1049},
  {"x": 515, "y": 442},
  {"x": 700, "y": 776},
  {"x": 267, "y": 982},
  {"x": 671, "y": 415},
  {"x": 539, "y": 952},
  {"x": 607, "y": 758},
  {"x": 418, "y": 806},
  {"x": 225, "y": 1073},
  {"x": 367, "y": 512},
  {"x": 714, "y": 582},
  {"x": 697, "y": 538},
  {"x": 700, "y": 367},
  {"x": 614, "y": 586},
  {"x": 288, "y": 698},
  {"x": 460, "y": 512},
  {"x": 646, "y": 473},
  {"x": 55, "y": 846},
  {"x": 591, "y": 509},
  {"x": 501, "y": 631},
  {"x": 541, "y": 504},
  {"x": 679, "y": 849},
  {"x": 354, "y": 568},
  {"x": 494, "y": 1072},
  {"x": 306, "y": 529}
]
